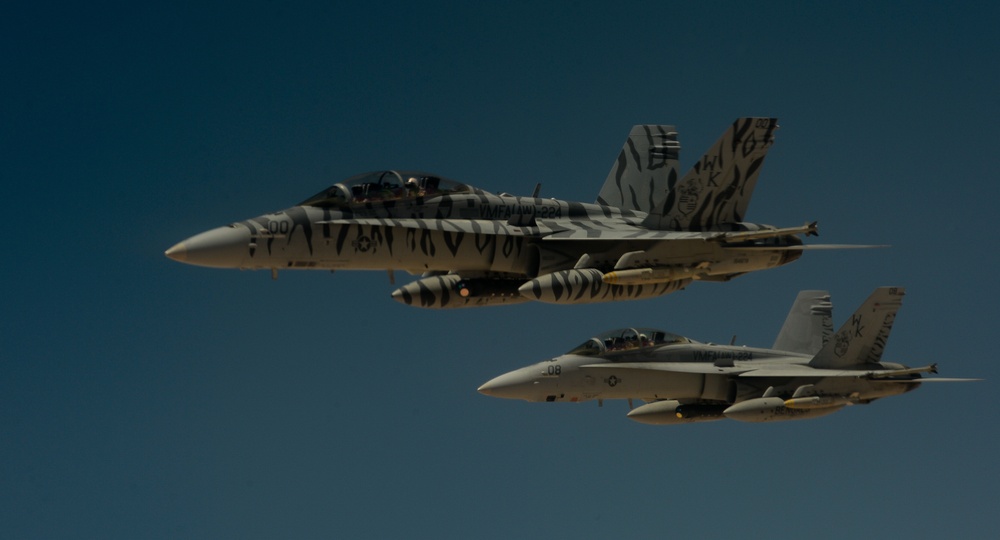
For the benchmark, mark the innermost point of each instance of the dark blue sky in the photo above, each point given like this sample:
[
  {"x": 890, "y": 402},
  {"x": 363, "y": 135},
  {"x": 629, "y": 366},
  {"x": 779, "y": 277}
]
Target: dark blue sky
[{"x": 141, "y": 398}]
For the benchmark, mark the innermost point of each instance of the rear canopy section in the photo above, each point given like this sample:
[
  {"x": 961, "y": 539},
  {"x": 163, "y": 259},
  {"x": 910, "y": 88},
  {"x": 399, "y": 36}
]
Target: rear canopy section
[{"x": 384, "y": 186}]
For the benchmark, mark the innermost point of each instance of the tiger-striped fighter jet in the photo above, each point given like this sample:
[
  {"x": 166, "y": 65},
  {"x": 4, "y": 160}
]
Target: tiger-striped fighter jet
[
  {"x": 809, "y": 372},
  {"x": 648, "y": 234}
]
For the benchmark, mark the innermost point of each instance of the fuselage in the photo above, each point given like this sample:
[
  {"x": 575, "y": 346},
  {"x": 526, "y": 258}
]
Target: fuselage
[
  {"x": 453, "y": 227},
  {"x": 505, "y": 247},
  {"x": 679, "y": 369},
  {"x": 413, "y": 235}
]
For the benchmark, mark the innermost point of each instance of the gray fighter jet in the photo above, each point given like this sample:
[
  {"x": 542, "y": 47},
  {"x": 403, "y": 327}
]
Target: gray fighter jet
[
  {"x": 809, "y": 372},
  {"x": 649, "y": 233}
]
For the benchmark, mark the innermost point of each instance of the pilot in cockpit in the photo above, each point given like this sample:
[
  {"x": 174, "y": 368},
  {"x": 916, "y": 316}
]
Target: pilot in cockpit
[{"x": 412, "y": 187}]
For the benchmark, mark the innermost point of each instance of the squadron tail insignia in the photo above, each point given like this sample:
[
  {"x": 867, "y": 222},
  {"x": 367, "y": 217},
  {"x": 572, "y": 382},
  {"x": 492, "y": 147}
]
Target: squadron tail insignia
[{"x": 718, "y": 187}]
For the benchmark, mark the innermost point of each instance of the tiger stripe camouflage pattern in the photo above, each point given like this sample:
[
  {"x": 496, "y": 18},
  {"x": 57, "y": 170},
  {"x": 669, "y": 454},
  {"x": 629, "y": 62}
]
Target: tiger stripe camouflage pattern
[{"x": 649, "y": 233}]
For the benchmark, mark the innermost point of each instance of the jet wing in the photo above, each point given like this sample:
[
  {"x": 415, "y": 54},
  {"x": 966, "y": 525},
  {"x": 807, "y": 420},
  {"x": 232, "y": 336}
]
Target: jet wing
[
  {"x": 738, "y": 370},
  {"x": 935, "y": 379},
  {"x": 613, "y": 230},
  {"x": 814, "y": 247},
  {"x": 476, "y": 226},
  {"x": 789, "y": 371},
  {"x": 558, "y": 229},
  {"x": 905, "y": 375},
  {"x": 794, "y": 370},
  {"x": 594, "y": 230},
  {"x": 675, "y": 367}
]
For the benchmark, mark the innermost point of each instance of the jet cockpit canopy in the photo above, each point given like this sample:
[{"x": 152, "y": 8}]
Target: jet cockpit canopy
[
  {"x": 384, "y": 186},
  {"x": 626, "y": 339}
]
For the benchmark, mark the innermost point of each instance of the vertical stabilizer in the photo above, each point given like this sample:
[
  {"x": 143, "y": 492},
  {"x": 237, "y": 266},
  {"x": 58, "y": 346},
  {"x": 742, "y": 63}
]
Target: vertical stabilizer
[
  {"x": 718, "y": 187},
  {"x": 809, "y": 324},
  {"x": 863, "y": 337},
  {"x": 646, "y": 166}
]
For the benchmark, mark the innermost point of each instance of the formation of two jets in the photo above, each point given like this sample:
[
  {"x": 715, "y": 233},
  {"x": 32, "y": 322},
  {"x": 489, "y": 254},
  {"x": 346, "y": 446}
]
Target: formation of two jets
[{"x": 649, "y": 233}]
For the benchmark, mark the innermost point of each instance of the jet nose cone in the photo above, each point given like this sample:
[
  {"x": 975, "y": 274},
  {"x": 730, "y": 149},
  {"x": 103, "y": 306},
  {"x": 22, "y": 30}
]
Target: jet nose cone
[
  {"x": 177, "y": 253},
  {"x": 487, "y": 388},
  {"x": 224, "y": 247},
  {"x": 513, "y": 385}
]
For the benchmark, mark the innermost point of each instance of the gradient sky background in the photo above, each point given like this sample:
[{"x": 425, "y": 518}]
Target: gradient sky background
[{"x": 141, "y": 398}]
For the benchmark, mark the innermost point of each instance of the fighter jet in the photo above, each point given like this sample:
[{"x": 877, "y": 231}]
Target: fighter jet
[
  {"x": 809, "y": 371},
  {"x": 648, "y": 234}
]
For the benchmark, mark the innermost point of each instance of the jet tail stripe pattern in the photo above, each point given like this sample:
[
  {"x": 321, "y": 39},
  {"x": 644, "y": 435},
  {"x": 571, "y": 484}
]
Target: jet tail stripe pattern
[
  {"x": 862, "y": 339},
  {"x": 639, "y": 178},
  {"x": 718, "y": 187}
]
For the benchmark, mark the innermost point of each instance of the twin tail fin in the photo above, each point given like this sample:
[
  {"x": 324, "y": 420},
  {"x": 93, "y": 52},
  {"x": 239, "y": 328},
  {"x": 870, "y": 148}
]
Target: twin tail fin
[
  {"x": 809, "y": 324},
  {"x": 718, "y": 187},
  {"x": 645, "y": 167},
  {"x": 862, "y": 339}
]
